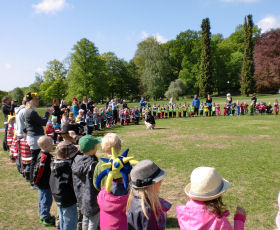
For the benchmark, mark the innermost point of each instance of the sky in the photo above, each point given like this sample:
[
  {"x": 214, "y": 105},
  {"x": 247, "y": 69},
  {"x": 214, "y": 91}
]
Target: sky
[{"x": 34, "y": 32}]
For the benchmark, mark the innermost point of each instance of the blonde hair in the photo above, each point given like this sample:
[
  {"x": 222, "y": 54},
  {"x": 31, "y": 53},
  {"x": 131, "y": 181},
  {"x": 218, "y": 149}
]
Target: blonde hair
[
  {"x": 44, "y": 141},
  {"x": 111, "y": 140},
  {"x": 30, "y": 105},
  {"x": 149, "y": 197}
]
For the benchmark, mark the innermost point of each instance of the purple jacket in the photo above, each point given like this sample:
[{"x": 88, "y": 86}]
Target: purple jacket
[{"x": 194, "y": 216}]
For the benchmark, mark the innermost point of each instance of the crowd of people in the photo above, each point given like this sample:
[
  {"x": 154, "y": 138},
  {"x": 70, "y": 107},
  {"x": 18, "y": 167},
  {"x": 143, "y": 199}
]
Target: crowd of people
[{"x": 115, "y": 191}]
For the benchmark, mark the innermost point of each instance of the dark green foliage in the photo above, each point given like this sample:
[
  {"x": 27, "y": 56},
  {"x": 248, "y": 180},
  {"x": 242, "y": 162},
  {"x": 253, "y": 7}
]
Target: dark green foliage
[
  {"x": 247, "y": 74},
  {"x": 205, "y": 81}
]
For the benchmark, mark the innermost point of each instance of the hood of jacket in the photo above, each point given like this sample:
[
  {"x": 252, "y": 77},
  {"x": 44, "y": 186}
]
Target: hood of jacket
[
  {"x": 18, "y": 109},
  {"x": 82, "y": 165},
  {"x": 58, "y": 166},
  {"x": 110, "y": 203}
]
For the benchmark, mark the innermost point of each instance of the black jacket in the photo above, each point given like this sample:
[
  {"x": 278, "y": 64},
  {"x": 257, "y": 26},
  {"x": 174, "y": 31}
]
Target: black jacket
[
  {"x": 61, "y": 183},
  {"x": 42, "y": 170},
  {"x": 82, "y": 172},
  {"x": 58, "y": 113},
  {"x": 136, "y": 219},
  {"x": 35, "y": 123},
  {"x": 7, "y": 109},
  {"x": 150, "y": 119}
]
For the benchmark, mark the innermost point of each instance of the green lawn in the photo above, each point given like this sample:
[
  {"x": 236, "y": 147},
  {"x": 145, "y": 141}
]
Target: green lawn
[{"x": 245, "y": 150}]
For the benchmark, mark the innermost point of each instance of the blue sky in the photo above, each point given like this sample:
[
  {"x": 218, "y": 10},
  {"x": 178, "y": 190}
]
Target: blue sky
[{"x": 34, "y": 32}]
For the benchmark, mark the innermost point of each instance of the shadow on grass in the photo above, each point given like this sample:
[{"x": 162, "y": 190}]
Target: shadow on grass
[
  {"x": 172, "y": 223},
  {"x": 161, "y": 128}
]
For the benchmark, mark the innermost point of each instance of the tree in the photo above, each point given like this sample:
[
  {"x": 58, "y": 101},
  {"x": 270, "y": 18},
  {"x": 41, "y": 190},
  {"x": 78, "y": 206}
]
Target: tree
[
  {"x": 54, "y": 81},
  {"x": 205, "y": 81},
  {"x": 17, "y": 94},
  {"x": 153, "y": 67},
  {"x": 267, "y": 61},
  {"x": 122, "y": 81},
  {"x": 247, "y": 73},
  {"x": 87, "y": 74},
  {"x": 175, "y": 89}
]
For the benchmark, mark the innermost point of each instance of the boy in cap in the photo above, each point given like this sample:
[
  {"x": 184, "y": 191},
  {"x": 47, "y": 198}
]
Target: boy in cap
[
  {"x": 82, "y": 172},
  {"x": 61, "y": 184}
]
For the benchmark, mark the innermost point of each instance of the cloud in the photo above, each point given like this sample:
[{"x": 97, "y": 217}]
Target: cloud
[
  {"x": 49, "y": 6},
  {"x": 157, "y": 36},
  {"x": 245, "y": 1},
  {"x": 7, "y": 66},
  {"x": 268, "y": 23}
]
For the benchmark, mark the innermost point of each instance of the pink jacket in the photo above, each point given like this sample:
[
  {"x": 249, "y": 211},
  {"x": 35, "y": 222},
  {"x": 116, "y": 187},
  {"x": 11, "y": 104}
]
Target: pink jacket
[
  {"x": 112, "y": 211},
  {"x": 194, "y": 216}
]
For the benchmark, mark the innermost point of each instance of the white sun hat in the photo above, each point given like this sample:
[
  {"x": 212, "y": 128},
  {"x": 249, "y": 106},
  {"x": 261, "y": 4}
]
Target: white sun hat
[{"x": 206, "y": 184}]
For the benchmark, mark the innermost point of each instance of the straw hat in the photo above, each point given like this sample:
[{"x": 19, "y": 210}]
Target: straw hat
[{"x": 206, "y": 184}]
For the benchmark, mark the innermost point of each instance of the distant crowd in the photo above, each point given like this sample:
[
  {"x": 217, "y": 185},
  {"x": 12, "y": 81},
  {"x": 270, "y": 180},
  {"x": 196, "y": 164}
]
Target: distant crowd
[{"x": 116, "y": 191}]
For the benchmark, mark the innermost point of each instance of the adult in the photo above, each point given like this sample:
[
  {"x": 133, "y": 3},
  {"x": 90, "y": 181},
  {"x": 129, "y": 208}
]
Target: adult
[
  {"x": 124, "y": 105},
  {"x": 228, "y": 103},
  {"x": 83, "y": 106},
  {"x": 7, "y": 109},
  {"x": 196, "y": 104},
  {"x": 254, "y": 99},
  {"x": 171, "y": 101},
  {"x": 57, "y": 111},
  {"x": 20, "y": 125},
  {"x": 90, "y": 106},
  {"x": 209, "y": 103},
  {"x": 107, "y": 102},
  {"x": 114, "y": 106},
  {"x": 75, "y": 107},
  {"x": 142, "y": 104},
  {"x": 34, "y": 126}
]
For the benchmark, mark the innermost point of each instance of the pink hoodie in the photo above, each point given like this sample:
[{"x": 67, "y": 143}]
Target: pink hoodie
[
  {"x": 112, "y": 211},
  {"x": 194, "y": 216}
]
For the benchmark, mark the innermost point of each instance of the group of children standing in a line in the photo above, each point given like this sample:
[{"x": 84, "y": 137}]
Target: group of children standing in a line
[{"x": 113, "y": 201}]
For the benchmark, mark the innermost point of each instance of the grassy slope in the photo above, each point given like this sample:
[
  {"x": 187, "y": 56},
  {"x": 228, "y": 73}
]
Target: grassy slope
[{"x": 243, "y": 149}]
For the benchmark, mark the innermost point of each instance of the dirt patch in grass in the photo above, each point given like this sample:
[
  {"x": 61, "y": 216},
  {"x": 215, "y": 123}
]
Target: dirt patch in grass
[{"x": 213, "y": 145}]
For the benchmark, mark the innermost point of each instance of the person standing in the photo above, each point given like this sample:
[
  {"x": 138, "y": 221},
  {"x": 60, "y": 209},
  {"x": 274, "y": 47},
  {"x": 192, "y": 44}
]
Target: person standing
[
  {"x": 142, "y": 104},
  {"x": 34, "y": 126},
  {"x": 209, "y": 103},
  {"x": 228, "y": 103},
  {"x": 196, "y": 104},
  {"x": 114, "y": 106},
  {"x": 254, "y": 99},
  {"x": 7, "y": 109}
]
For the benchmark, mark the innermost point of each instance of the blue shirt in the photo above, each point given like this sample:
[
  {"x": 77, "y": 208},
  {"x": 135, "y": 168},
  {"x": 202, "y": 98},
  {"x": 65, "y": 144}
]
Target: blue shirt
[{"x": 196, "y": 102}]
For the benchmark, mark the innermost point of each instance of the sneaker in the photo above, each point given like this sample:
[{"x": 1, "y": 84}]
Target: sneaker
[{"x": 49, "y": 221}]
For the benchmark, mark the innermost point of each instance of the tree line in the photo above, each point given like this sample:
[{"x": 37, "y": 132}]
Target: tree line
[{"x": 195, "y": 62}]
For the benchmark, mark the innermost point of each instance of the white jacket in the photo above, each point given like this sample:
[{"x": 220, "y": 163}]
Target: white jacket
[{"x": 20, "y": 125}]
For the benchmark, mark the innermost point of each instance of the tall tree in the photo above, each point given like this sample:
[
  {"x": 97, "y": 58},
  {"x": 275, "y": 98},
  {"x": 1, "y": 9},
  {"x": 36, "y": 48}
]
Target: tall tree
[
  {"x": 205, "y": 81},
  {"x": 267, "y": 61},
  {"x": 54, "y": 84},
  {"x": 247, "y": 73},
  {"x": 17, "y": 94},
  {"x": 87, "y": 74},
  {"x": 154, "y": 67}
]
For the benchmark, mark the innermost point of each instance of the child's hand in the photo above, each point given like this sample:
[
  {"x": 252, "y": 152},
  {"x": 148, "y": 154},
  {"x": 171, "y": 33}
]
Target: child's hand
[{"x": 240, "y": 210}]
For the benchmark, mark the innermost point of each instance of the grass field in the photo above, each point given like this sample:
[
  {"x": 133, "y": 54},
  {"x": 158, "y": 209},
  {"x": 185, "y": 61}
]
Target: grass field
[{"x": 245, "y": 150}]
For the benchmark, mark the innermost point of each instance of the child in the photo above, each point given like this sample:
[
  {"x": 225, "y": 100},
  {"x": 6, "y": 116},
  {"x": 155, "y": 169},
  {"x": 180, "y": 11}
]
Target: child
[
  {"x": 11, "y": 129},
  {"x": 137, "y": 115},
  {"x": 89, "y": 122},
  {"x": 64, "y": 119},
  {"x": 126, "y": 116},
  {"x": 50, "y": 130},
  {"x": 276, "y": 107},
  {"x": 201, "y": 109},
  {"x": 225, "y": 109},
  {"x": 218, "y": 110},
  {"x": 269, "y": 109},
  {"x": 145, "y": 209},
  {"x": 112, "y": 199},
  {"x": 41, "y": 177},
  {"x": 213, "y": 110},
  {"x": 103, "y": 119},
  {"x": 205, "y": 209},
  {"x": 82, "y": 172},
  {"x": 206, "y": 110},
  {"x": 109, "y": 117},
  {"x": 80, "y": 116},
  {"x": 71, "y": 118},
  {"x": 61, "y": 184},
  {"x": 109, "y": 141},
  {"x": 149, "y": 120},
  {"x": 237, "y": 108}
]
